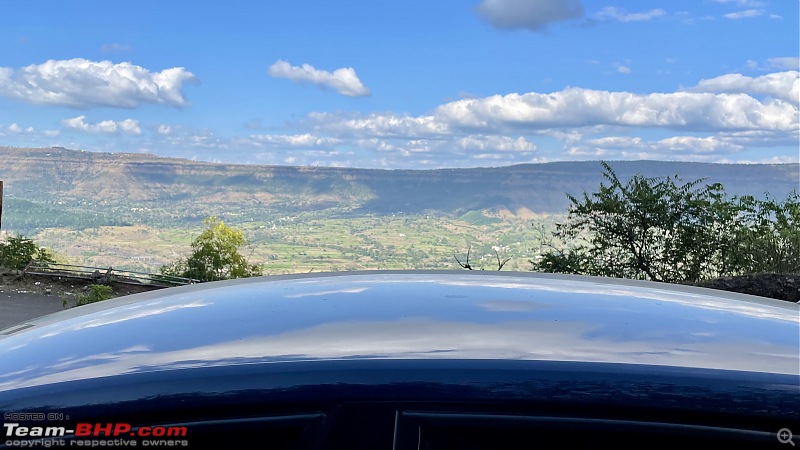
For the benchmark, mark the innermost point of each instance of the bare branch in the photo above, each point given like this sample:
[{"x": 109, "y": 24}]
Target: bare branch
[
  {"x": 466, "y": 264},
  {"x": 499, "y": 263}
]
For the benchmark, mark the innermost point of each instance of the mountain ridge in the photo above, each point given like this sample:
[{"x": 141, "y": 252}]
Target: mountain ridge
[{"x": 116, "y": 183}]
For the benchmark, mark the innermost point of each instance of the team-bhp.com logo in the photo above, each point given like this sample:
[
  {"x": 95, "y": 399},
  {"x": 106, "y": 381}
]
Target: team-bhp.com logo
[{"x": 91, "y": 434}]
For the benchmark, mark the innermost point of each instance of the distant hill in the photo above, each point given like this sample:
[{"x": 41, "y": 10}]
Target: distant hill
[{"x": 110, "y": 188}]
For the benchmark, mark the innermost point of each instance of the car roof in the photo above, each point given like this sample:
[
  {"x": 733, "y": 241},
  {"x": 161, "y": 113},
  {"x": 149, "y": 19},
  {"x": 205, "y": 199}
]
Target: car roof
[{"x": 390, "y": 315}]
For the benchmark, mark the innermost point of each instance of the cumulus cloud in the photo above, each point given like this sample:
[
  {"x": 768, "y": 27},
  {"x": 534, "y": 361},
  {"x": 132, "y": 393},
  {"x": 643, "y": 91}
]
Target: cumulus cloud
[
  {"x": 781, "y": 85},
  {"x": 533, "y": 15},
  {"x": 344, "y": 80},
  {"x": 620, "y": 15},
  {"x": 17, "y": 130},
  {"x": 715, "y": 107},
  {"x": 81, "y": 83},
  {"x": 717, "y": 117},
  {"x": 746, "y": 14},
  {"x": 127, "y": 126},
  {"x": 576, "y": 107},
  {"x": 734, "y": 117}
]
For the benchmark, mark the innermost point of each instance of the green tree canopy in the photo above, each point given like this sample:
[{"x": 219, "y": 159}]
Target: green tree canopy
[
  {"x": 664, "y": 229},
  {"x": 215, "y": 255},
  {"x": 18, "y": 251},
  {"x": 771, "y": 240}
]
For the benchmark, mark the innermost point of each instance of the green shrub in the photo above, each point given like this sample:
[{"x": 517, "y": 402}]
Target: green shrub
[
  {"x": 18, "y": 251},
  {"x": 97, "y": 293}
]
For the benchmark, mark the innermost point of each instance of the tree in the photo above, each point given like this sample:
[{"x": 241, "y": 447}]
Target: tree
[
  {"x": 215, "y": 255},
  {"x": 659, "y": 229},
  {"x": 18, "y": 251},
  {"x": 771, "y": 240}
]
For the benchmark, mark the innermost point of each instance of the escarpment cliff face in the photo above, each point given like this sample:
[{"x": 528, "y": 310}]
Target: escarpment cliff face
[{"x": 90, "y": 179}]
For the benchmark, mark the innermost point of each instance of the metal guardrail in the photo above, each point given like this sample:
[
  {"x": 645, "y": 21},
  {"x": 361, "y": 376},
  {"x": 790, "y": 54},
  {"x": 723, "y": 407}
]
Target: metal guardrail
[{"x": 104, "y": 274}]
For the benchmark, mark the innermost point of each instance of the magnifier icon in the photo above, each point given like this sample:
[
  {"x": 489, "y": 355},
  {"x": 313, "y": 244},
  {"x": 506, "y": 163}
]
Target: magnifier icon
[{"x": 785, "y": 436}]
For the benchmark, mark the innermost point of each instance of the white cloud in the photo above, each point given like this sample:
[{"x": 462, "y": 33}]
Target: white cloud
[
  {"x": 785, "y": 63},
  {"x": 201, "y": 139},
  {"x": 496, "y": 143},
  {"x": 761, "y": 138},
  {"x": 178, "y": 140},
  {"x": 746, "y": 14},
  {"x": 533, "y": 15},
  {"x": 718, "y": 106},
  {"x": 781, "y": 85},
  {"x": 621, "y": 15},
  {"x": 685, "y": 148},
  {"x": 623, "y": 69},
  {"x": 381, "y": 125},
  {"x": 576, "y": 107},
  {"x": 714, "y": 119},
  {"x": 16, "y": 130},
  {"x": 443, "y": 152},
  {"x": 127, "y": 126},
  {"x": 570, "y": 136},
  {"x": 81, "y": 83},
  {"x": 294, "y": 140},
  {"x": 772, "y": 160},
  {"x": 690, "y": 144},
  {"x": 379, "y": 145},
  {"x": 508, "y": 127},
  {"x": 344, "y": 80}
]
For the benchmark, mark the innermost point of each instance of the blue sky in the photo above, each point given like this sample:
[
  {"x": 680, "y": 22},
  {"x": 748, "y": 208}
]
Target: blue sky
[{"x": 413, "y": 84}]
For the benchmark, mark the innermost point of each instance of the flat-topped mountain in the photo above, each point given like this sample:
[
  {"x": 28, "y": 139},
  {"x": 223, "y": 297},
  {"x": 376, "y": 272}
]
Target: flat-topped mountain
[{"x": 121, "y": 186}]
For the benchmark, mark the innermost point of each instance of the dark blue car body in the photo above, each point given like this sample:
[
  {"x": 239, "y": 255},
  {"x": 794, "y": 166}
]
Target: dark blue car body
[{"x": 382, "y": 360}]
